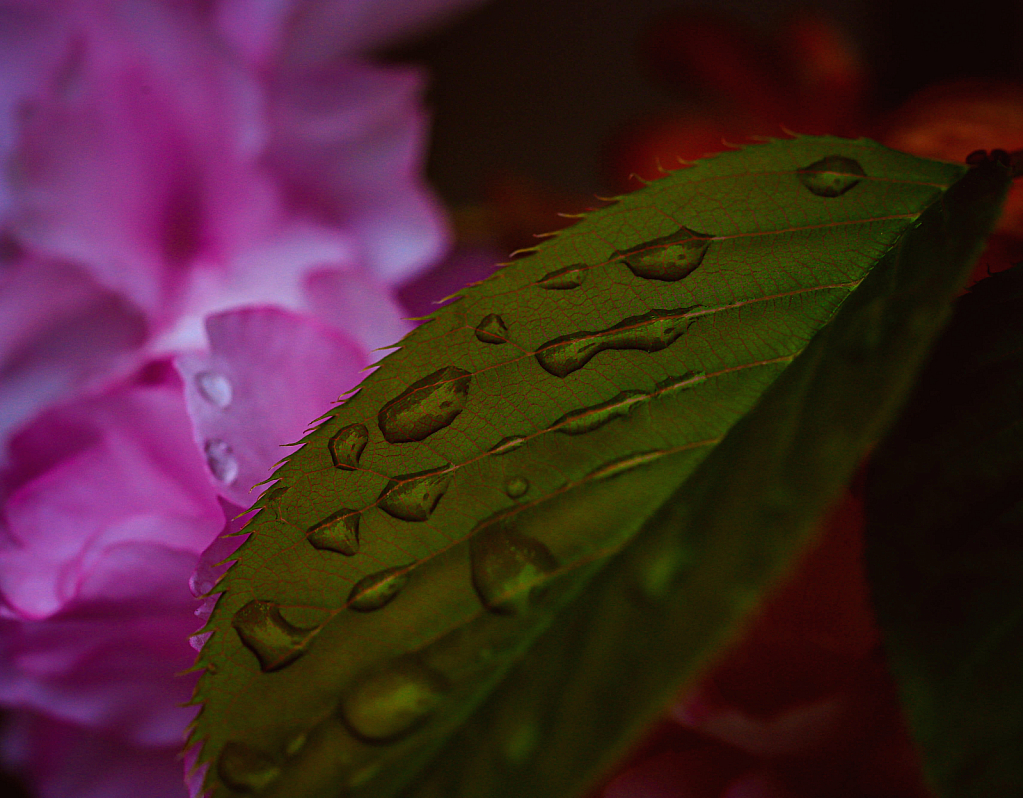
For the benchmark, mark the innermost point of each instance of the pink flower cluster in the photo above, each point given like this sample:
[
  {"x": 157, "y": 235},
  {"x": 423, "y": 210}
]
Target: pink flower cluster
[{"x": 204, "y": 210}]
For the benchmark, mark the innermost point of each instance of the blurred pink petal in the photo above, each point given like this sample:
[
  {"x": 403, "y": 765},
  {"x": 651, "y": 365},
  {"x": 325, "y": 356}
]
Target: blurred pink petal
[
  {"x": 60, "y": 332},
  {"x": 348, "y": 142},
  {"x": 65, "y": 760},
  {"x": 268, "y": 375},
  {"x": 140, "y": 158},
  {"x": 115, "y": 470},
  {"x": 358, "y": 304},
  {"x": 424, "y": 293}
]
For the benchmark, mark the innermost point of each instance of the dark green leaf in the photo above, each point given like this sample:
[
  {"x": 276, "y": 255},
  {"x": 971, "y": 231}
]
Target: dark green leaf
[
  {"x": 945, "y": 547},
  {"x": 761, "y": 314}
]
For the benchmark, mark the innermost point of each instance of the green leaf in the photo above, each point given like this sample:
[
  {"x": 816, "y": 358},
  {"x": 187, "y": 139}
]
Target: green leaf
[
  {"x": 945, "y": 547},
  {"x": 452, "y": 570}
]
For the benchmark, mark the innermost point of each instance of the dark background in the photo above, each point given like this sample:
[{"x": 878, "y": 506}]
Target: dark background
[{"x": 537, "y": 87}]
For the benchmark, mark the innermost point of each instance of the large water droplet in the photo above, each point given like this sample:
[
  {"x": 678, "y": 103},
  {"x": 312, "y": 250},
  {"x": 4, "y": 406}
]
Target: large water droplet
[
  {"x": 393, "y": 701},
  {"x": 221, "y": 461},
  {"x": 267, "y": 634},
  {"x": 413, "y": 497},
  {"x": 346, "y": 446},
  {"x": 375, "y": 590},
  {"x": 509, "y": 444},
  {"x": 516, "y": 487},
  {"x": 831, "y": 176},
  {"x": 241, "y": 767},
  {"x": 564, "y": 279},
  {"x": 215, "y": 388},
  {"x": 337, "y": 532},
  {"x": 590, "y": 418},
  {"x": 650, "y": 332},
  {"x": 426, "y": 406},
  {"x": 668, "y": 258},
  {"x": 492, "y": 330},
  {"x": 508, "y": 568}
]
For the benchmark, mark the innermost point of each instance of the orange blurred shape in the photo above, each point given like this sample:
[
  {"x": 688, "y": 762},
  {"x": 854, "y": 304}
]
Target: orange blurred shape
[{"x": 949, "y": 121}]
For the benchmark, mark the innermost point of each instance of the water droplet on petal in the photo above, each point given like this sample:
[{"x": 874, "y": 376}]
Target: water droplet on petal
[
  {"x": 590, "y": 418},
  {"x": 241, "y": 767},
  {"x": 426, "y": 406},
  {"x": 221, "y": 461},
  {"x": 390, "y": 702},
  {"x": 516, "y": 487},
  {"x": 375, "y": 590},
  {"x": 668, "y": 258},
  {"x": 215, "y": 388},
  {"x": 337, "y": 532},
  {"x": 509, "y": 444},
  {"x": 508, "y": 568},
  {"x": 564, "y": 279},
  {"x": 413, "y": 497},
  {"x": 268, "y": 635},
  {"x": 650, "y": 332},
  {"x": 831, "y": 176},
  {"x": 346, "y": 446},
  {"x": 492, "y": 330}
]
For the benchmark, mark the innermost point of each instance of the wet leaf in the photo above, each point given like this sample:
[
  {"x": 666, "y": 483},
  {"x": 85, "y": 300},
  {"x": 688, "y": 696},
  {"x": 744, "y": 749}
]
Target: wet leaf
[
  {"x": 551, "y": 523},
  {"x": 945, "y": 547}
]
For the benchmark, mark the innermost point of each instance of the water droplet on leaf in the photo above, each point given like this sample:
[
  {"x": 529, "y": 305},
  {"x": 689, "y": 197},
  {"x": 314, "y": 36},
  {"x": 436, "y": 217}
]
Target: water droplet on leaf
[
  {"x": 564, "y": 279},
  {"x": 346, "y": 446},
  {"x": 221, "y": 461},
  {"x": 391, "y": 702},
  {"x": 492, "y": 330},
  {"x": 273, "y": 502},
  {"x": 516, "y": 487},
  {"x": 413, "y": 497},
  {"x": 509, "y": 444},
  {"x": 426, "y": 406},
  {"x": 622, "y": 464},
  {"x": 508, "y": 568},
  {"x": 650, "y": 332},
  {"x": 241, "y": 767},
  {"x": 375, "y": 590},
  {"x": 215, "y": 388},
  {"x": 668, "y": 258},
  {"x": 267, "y": 634},
  {"x": 590, "y": 418},
  {"x": 337, "y": 532},
  {"x": 831, "y": 176}
]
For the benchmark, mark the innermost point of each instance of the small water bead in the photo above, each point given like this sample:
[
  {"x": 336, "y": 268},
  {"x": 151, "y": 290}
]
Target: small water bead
[
  {"x": 376, "y": 590},
  {"x": 588, "y": 419},
  {"x": 508, "y": 568},
  {"x": 831, "y": 176},
  {"x": 414, "y": 497},
  {"x": 245, "y": 769},
  {"x": 516, "y": 487},
  {"x": 509, "y": 444},
  {"x": 622, "y": 464},
  {"x": 268, "y": 635},
  {"x": 668, "y": 258},
  {"x": 338, "y": 532},
  {"x": 426, "y": 406},
  {"x": 346, "y": 446},
  {"x": 564, "y": 279},
  {"x": 273, "y": 502},
  {"x": 392, "y": 701},
  {"x": 492, "y": 330},
  {"x": 215, "y": 388},
  {"x": 681, "y": 383},
  {"x": 221, "y": 461},
  {"x": 650, "y": 332}
]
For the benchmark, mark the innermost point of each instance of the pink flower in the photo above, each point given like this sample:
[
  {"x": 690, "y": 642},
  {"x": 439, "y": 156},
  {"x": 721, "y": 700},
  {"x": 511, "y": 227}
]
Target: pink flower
[{"x": 207, "y": 209}]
